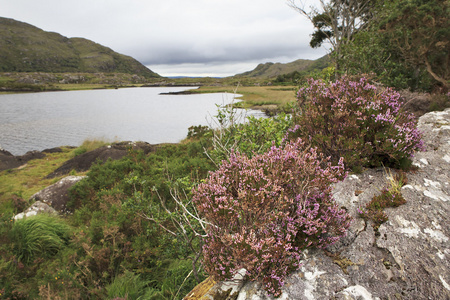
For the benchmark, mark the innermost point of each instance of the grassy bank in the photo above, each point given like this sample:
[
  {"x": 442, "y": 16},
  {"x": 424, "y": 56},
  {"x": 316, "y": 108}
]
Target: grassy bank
[
  {"x": 30, "y": 178},
  {"x": 110, "y": 248},
  {"x": 257, "y": 97}
]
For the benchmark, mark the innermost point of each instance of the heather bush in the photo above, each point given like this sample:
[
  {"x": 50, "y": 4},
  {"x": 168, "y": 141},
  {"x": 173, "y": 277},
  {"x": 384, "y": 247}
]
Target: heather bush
[
  {"x": 265, "y": 210},
  {"x": 357, "y": 121}
]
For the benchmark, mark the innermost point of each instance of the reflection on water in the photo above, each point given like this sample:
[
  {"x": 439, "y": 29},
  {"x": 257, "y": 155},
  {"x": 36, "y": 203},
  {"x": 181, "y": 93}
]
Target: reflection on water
[{"x": 38, "y": 121}]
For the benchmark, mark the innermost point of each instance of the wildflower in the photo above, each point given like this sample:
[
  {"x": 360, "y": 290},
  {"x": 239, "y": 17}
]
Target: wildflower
[
  {"x": 265, "y": 210},
  {"x": 357, "y": 121}
]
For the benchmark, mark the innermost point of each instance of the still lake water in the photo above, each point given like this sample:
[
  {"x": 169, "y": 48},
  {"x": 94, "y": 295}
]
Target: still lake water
[{"x": 38, "y": 121}]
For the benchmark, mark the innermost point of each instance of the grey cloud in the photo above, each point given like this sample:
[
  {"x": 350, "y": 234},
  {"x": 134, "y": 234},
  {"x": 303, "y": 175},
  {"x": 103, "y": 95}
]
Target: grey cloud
[
  {"x": 227, "y": 54},
  {"x": 177, "y": 32}
]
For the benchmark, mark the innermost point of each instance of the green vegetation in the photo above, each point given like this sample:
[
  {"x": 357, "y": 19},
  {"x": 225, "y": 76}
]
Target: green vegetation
[
  {"x": 54, "y": 53},
  {"x": 257, "y": 97},
  {"x": 41, "y": 235},
  {"x": 390, "y": 196},
  {"x": 30, "y": 178},
  {"x": 402, "y": 43},
  {"x": 153, "y": 226},
  {"x": 114, "y": 249}
]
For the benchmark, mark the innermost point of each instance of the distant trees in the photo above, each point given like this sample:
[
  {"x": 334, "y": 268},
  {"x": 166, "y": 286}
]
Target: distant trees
[
  {"x": 404, "y": 43},
  {"x": 336, "y": 21}
]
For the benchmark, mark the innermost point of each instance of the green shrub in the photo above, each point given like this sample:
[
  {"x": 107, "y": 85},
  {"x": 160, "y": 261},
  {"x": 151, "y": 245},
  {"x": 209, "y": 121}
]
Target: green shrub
[
  {"x": 256, "y": 135},
  {"x": 357, "y": 121},
  {"x": 41, "y": 235},
  {"x": 127, "y": 286},
  {"x": 439, "y": 102}
]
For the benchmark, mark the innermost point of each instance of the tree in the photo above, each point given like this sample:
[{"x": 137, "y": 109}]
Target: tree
[
  {"x": 336, "y": 21},
  {"x": 420, "y": 30}
]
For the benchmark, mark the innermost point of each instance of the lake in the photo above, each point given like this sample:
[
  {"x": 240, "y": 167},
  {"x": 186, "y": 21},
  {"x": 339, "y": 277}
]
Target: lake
[{"x": 38, "y": 121}]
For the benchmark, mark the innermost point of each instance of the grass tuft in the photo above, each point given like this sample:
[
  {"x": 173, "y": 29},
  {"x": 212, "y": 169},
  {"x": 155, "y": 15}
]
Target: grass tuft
[
  {"x": 390, "y": 196},
  {"x": 41, "y": 235}
]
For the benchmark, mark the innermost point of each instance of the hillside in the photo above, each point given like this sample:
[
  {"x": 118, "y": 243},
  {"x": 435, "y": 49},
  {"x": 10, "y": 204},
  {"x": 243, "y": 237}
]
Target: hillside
[
  {"x": 271, "y": 70},
  {"x": 26, "y": 48}
]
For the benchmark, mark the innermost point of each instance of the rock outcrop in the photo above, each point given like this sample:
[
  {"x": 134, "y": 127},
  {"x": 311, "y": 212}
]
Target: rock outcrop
[
  {"x": 37, "y": 207},
  {"x": 9, "y": 161},
  {"x": 57, "y": 195},
  {"x": 408, "y": 257},
  {"x": 83, "y": 162}
]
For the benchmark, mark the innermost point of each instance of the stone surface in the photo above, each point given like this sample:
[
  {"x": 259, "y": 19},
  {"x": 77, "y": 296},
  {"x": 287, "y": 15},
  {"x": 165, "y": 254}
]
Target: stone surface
[
  {"x": 408, "y": 258},
  {"x": 57, "y": 195},
  {"x": 37, "y": 208}
]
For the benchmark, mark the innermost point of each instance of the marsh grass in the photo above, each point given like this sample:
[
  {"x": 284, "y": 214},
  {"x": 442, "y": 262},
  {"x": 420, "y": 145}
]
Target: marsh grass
[
  {"x": 90, "y": 86},
  {"x": 40, "y": 235},
  {"x": 254, "y": 96}
]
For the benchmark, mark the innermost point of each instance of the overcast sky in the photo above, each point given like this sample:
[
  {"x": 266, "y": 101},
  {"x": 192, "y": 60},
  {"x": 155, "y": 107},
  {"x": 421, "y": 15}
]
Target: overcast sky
[{"x": 179, "y": 37}]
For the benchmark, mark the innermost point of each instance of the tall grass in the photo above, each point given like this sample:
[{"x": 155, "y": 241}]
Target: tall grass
[
  {"x": 41, "y": 235},
  {"x": 89, "y": 145}
]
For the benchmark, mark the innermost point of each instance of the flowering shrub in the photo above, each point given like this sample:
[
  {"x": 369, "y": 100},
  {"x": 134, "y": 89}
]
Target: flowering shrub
[
  {"x": 265, "y": 210},
  {"x": 357, "y": 121}
]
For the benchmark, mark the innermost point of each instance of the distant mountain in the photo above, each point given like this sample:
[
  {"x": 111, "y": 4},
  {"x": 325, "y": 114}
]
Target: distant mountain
[
  {"x": 26, "y": 48},
  {"x": 272, "y": 70}
]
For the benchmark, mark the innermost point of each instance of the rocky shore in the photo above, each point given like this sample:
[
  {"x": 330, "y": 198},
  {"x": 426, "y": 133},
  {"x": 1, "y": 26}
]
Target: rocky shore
[
  {"x": 408, "y": 257},
  {"x": 79, "y": 163}
]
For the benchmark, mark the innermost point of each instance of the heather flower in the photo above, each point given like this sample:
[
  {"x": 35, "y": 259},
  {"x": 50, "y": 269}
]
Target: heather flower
[
  {"x": 265, "y": 210},
  {"x": 358, "y": 121}
]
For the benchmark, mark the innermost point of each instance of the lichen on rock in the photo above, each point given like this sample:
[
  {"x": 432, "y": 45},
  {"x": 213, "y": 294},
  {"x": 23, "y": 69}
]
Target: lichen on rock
[{"x": 409, "y": 256}]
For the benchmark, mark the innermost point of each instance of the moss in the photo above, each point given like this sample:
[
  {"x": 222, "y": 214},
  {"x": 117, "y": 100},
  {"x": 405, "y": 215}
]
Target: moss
[{"x": 342, "y": 262}]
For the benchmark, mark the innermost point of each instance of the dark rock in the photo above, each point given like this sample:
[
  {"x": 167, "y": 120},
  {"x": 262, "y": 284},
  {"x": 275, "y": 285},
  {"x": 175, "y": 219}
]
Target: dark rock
[
  {"x": 57, "y": 195},
  {"x": 84, "y": 161},
  {"x": 9, "y": 161},
  {"x": 30, "y": 155},
  {"x": 409, "y": 256},
  {"x": 52, "y": 150},
  {"x": 416, "y": 103}
]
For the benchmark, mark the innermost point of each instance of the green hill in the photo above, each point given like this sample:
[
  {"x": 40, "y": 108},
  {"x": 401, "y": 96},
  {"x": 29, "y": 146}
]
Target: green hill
[
  {"x": 26, "y": 48},
  {"x": 271, "y": 70}
]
